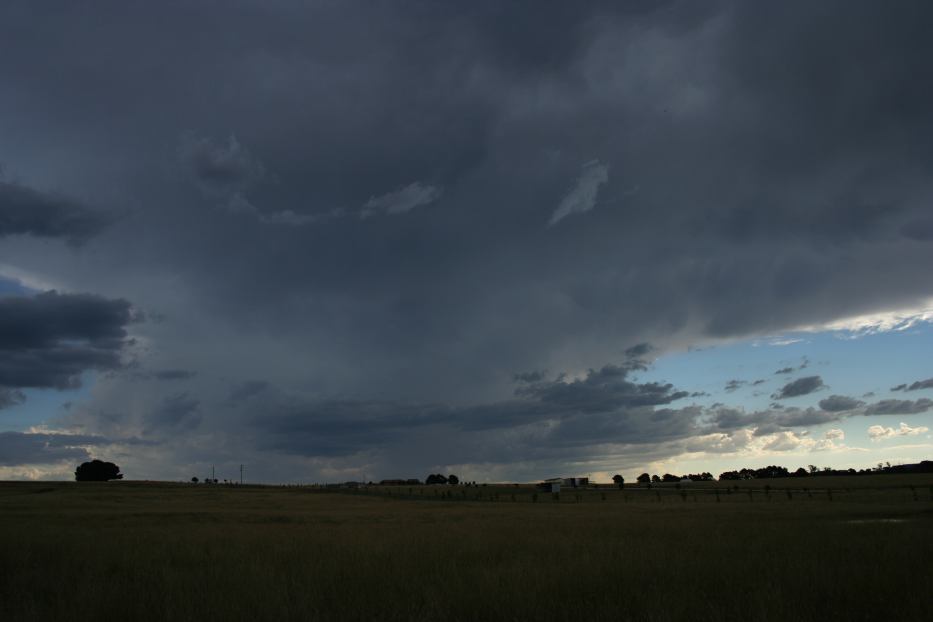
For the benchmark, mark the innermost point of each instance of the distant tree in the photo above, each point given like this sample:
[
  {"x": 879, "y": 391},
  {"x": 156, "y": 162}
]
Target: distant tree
[
  {"x": 453, "y": 480},
  {"x": 97, "y": 471},
  {"x": 194, "y": 480},
  {"x": 801, "y": 472},
  {"x": 771, "y": 471},
  {"x": 655, "y": 479},
  {"x": 644, "y": 478},
  {"x": 435, "y": 478},
  {"x": 670, "y": 478},
  {"x": 812, "y": 468},
  {"x": 729, "y": 475},
  {"x": 618, "y": 480}
]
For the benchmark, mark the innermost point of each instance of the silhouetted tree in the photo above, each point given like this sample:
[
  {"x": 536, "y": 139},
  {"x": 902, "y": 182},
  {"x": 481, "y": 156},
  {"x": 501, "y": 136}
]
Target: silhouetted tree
[
  {"x": 97, "y": 471},
  {"x": 655, "y": 479},
  {"x": 771, "y": 471},
  {"x": 194, "y": 480},
  {"x": 618, "y": 480},
  {"x": 453, "y": 480},
  {"x": 670, "y": 478},
  {"x": 644, "y": 478},
  {"x": 435, "y": 478},
  {"x": 801, "y": 472}
]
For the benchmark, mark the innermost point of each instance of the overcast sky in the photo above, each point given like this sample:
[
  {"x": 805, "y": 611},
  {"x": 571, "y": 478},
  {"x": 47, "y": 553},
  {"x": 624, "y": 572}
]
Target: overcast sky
[{"x": 345, "y": 240}]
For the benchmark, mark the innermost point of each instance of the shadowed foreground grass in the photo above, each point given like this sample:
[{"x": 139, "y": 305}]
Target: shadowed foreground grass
[{"x": 134, "y": 551}]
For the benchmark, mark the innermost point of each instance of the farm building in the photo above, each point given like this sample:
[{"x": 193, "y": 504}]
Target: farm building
[{"x": 554, "y": 484}]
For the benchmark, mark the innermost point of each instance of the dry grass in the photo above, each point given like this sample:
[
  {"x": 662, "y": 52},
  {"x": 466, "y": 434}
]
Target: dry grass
[{"x": 127, "y": 551}]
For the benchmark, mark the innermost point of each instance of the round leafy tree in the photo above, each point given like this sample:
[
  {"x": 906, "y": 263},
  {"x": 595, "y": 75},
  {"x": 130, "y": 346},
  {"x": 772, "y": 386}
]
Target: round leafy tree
[{"x": 97, "y": 471}]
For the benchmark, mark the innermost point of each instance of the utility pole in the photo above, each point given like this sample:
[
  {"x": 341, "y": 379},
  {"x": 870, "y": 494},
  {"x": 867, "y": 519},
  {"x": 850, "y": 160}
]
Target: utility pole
[
  {"x": 213, "y": 477},
  {"x": 241, "y": 475}
]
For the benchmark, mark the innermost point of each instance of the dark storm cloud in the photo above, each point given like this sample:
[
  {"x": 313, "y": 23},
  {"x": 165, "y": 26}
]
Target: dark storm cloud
[
  {"x": 764, "y": 170},
  {"x": 768, "y": 421},
  {"x": 18, "y": 448},
  {"x": 248, "y": 389},
  {"x": 915, "y": 386},
  {"x": 10, "y": 398},
  {"x": 606, "y": 388},
  {"x": 601, "y": 407},
  {"x": 638, "y": 351},
  {"x": 175, "y": 413},
  {"x": 220, "y": 166},
  {"x": 49, "y": 339},
  {"x": 25, "y": 448},
  {"x": 174, "y": 374},
  {"x": 837, "y": 403},
  {"x": 529, "y": 376},
  {"x": 921, "y": 384},
  {"x": 920, "y": 230},
  {"x": 800, "y": 386},
  {"x": 734, "y": 385},
  {"x": 899, "y": 407},
  {"x": 26, "y": 211}
]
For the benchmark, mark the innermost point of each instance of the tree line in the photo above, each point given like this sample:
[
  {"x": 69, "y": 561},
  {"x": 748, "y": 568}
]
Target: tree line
[{"x": 775, "y": 471}]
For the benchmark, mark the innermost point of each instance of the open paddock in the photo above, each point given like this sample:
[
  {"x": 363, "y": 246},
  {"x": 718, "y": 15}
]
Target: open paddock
[{"x": 149, "y": 551}]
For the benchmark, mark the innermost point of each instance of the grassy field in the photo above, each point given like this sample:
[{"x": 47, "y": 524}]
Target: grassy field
[{"x": 144, "y": 551}]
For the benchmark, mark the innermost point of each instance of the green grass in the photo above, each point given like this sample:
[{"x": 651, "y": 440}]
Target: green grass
[{"x": 135, "y": 551}]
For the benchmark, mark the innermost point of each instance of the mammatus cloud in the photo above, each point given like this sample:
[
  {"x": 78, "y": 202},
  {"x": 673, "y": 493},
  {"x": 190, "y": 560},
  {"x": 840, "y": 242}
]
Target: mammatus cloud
[
  {"x": 26, "y": 211},
  {"x": 900, "y": 407},
  {"x": 48, "y": 340},
  {"x": 798, "y": 387},
  {"x": 402, "y": 200},
  {"x": 879, "y": 432},
  {"x": 582, "y": 197},
  {"x": 838, "y": 403}
]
